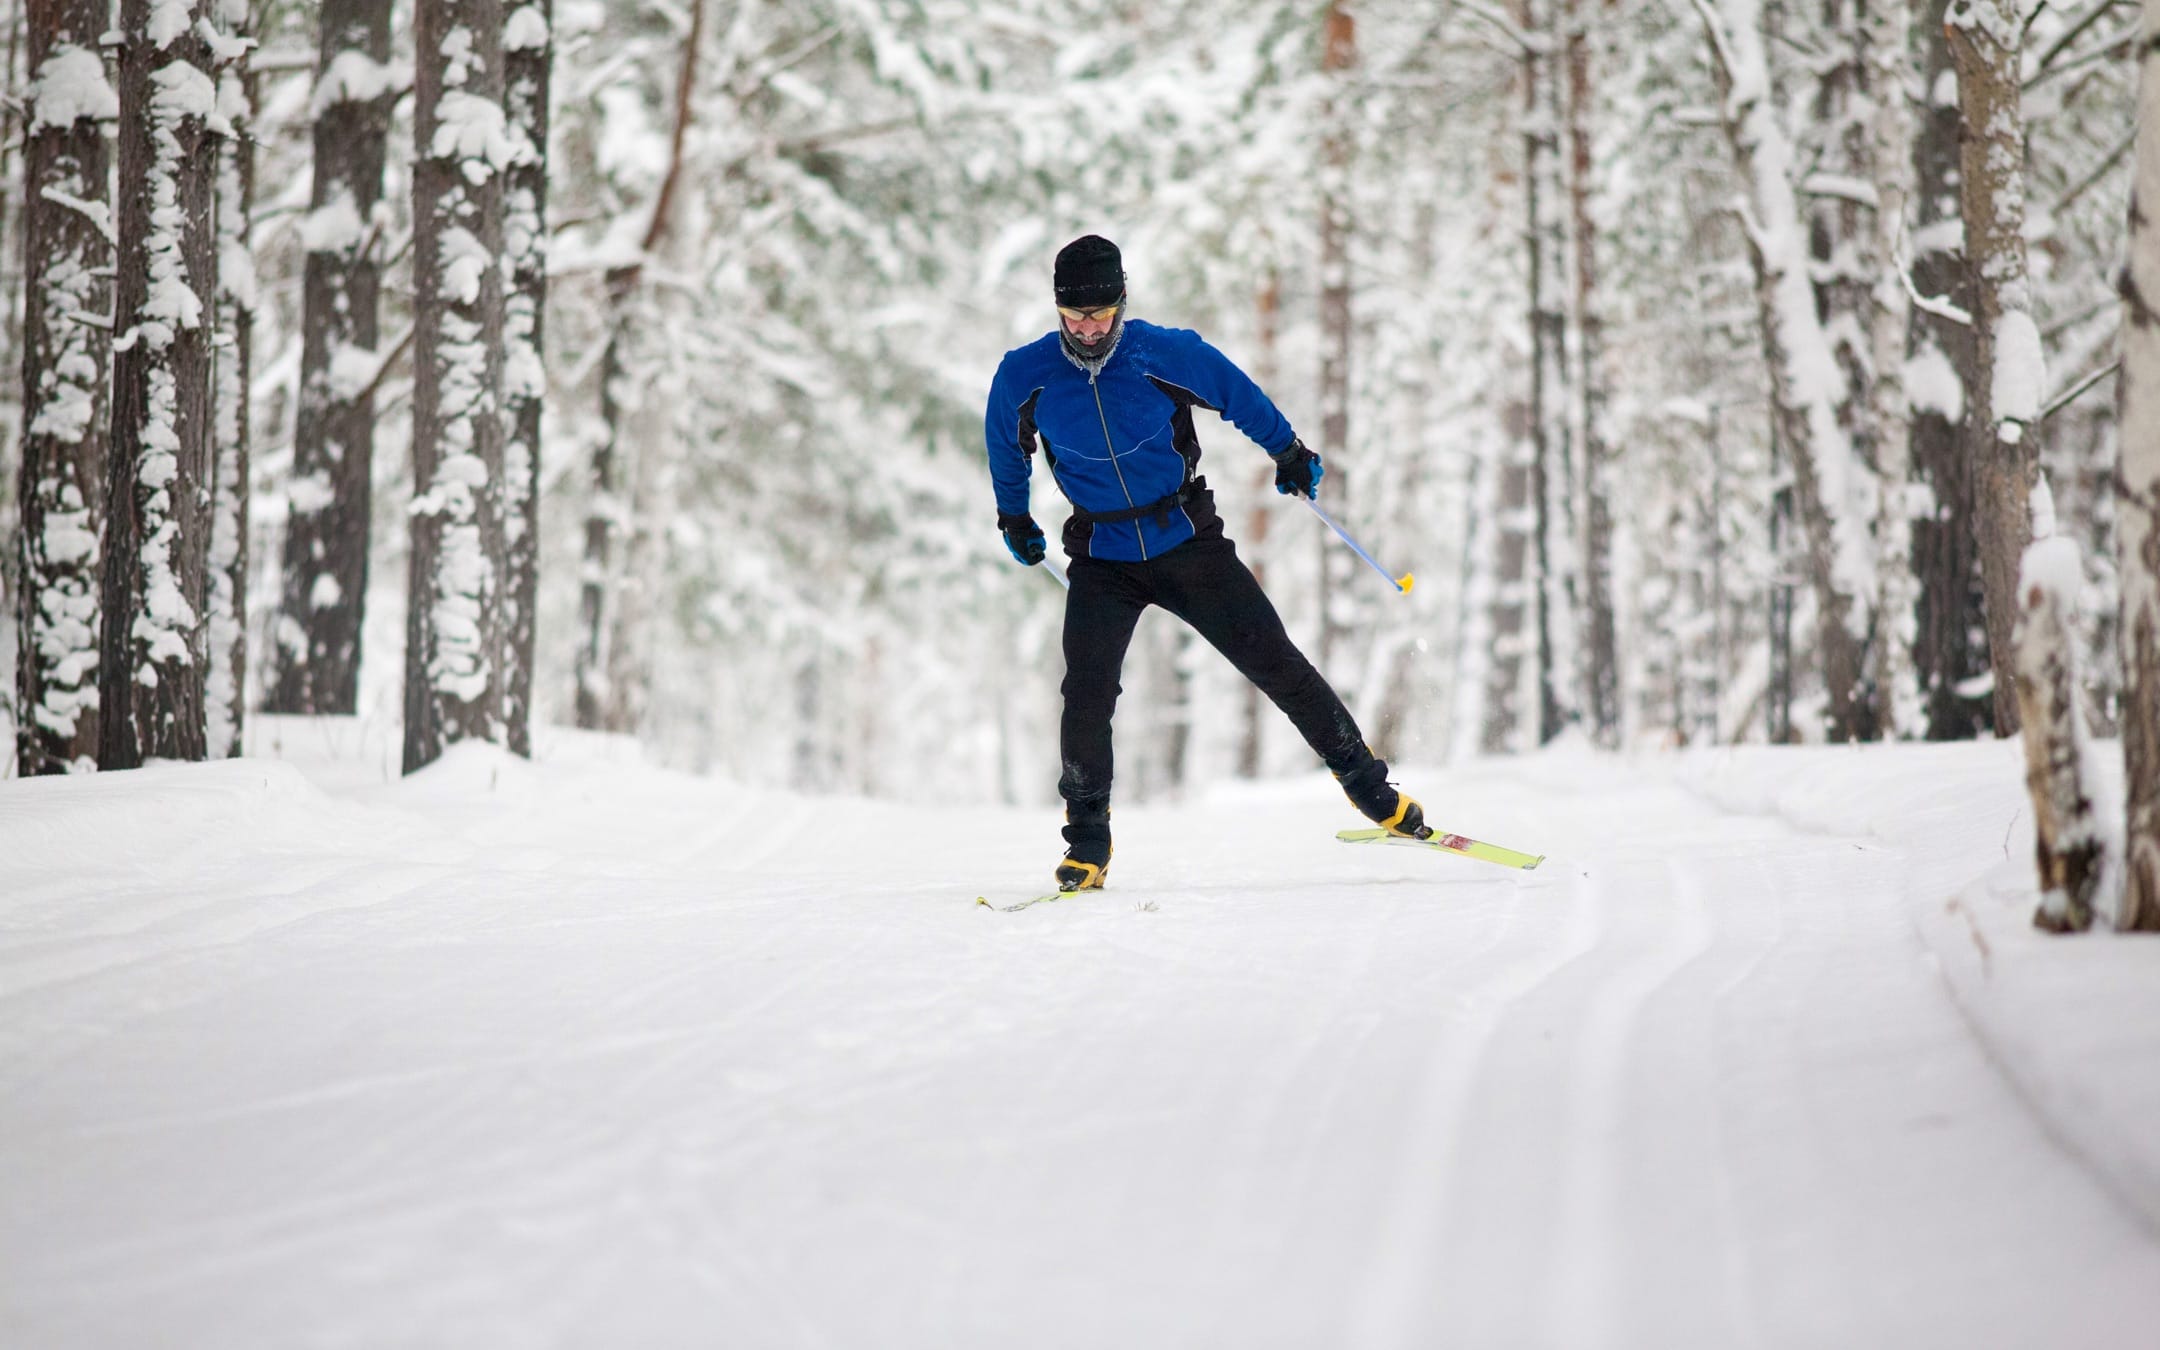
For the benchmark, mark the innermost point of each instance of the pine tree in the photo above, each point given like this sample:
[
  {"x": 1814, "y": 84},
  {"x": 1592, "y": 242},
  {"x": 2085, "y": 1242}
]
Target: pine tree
[
  {"x": 67, "y": 259},
  {"x": 325, "y": 559},
  {"x": 154, "y": 648},
  {"x": 454, "y": 649}
]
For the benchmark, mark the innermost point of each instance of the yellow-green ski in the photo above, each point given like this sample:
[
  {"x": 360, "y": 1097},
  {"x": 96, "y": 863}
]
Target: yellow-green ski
[
  {"x": 1447, "y": 843},
  {"x": 984, "y": 900}
]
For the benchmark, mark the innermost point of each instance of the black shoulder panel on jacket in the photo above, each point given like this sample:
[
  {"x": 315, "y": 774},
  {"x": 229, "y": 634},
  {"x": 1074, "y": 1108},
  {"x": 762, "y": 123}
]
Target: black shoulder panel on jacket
[{"x": 1180, "y": 395}]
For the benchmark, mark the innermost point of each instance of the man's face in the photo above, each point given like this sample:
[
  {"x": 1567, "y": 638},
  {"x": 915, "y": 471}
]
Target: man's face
[{"x": 1089, "y": 326}]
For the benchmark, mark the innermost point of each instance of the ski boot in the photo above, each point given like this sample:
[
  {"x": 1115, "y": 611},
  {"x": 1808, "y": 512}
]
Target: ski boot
[
  {"x": 1369, "y": 791},
  {"x": 1087, "y": 849}
]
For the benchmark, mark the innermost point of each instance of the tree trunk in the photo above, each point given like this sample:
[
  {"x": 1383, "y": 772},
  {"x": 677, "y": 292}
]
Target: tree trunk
[
  {"x": 1546, "y": 238},
  {"x": 67, "y": 255},
  {"x": 2002, "y": 391},
  {"x": 1884, "y": 37},
  {"x": 603, "y": 521},
  {"x": 1950, "y": 646},
  {"x": 528, "y": 54},
  {"x": 1600, "y": 655},
  {"x": 323, "y": 604},
  {"x": 1337, "y": 62},
  {"x": 2067, "y": 837},
  {"x": 225, "y": 686},
  {"x": 1505, "y": 721},
  {"x": 2138, "y": 533},
  {"x": 1807, "y": 385},
  {"x": 453, "y": 657},
  {"x": 154, "y": 647},
  {"x": 606, "y": 668}
]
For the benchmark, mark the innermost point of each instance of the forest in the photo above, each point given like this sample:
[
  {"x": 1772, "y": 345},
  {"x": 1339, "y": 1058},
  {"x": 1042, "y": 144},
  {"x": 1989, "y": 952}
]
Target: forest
[{"x": 1724, "y": 371}]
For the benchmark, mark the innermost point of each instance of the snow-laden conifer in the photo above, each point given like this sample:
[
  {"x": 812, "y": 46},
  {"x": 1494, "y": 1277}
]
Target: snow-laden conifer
[{"x": 67, "y": 332}]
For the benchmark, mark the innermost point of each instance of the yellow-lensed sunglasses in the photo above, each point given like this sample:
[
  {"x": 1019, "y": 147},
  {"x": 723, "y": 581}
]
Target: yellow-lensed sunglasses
[{"x": 1095, "y": 315}]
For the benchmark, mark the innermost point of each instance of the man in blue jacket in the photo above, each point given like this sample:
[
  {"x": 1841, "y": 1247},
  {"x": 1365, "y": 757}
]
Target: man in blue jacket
[{"x": 1110, "y": 402}]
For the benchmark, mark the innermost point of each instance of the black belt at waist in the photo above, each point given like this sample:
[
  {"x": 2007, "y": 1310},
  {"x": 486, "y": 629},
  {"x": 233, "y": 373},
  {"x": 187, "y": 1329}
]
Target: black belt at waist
[{"x": 1160, "y": 508}]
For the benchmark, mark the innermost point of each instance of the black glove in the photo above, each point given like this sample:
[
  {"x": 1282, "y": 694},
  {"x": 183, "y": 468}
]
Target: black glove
[
  {"x": 1298, "y": 470},
  {"x": 1023, "y": 536}
]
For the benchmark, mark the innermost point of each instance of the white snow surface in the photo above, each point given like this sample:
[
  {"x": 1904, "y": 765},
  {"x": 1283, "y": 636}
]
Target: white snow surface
[{"x": 578, "y": 1052}]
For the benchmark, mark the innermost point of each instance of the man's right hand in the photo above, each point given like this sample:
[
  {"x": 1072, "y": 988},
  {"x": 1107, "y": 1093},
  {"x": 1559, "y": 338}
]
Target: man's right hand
[{"x": 1023, "y": 536}]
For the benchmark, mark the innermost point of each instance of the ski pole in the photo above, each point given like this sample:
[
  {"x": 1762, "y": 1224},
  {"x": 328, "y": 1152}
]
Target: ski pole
[
  {"x": 1058, "y": 576},
  {"x": 1402, "y": 583}
]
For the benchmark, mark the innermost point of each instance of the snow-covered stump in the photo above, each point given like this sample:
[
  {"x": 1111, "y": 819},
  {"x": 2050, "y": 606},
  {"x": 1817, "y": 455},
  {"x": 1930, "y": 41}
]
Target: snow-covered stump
[
  {"x": 2138, "y": 539},
  {"x": 527, "y": 55},
  {"x": 225, "y": 682},
  {"x": 2069, "y": 845},
  {"x": 153, "y": 649},
  {"x": 323, "y": 597},
  {"x": 453, "y": 655},
  {"x": 68, "y": 252}
]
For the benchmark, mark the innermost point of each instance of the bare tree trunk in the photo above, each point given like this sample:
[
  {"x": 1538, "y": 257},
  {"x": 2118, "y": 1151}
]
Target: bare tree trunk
[
  {"x": 1601, "y": 655},
  {"x": 600, "y": 700},
  {"x": 225, "y": 686},
  {"x": 1806, "y": 391},
  {"x": 2138, "y": 535},
  {"x": 1505, "y": 720},
  {"x": 2067, "y": 836},
  {"x": 1884, "y": 37},
  {"x": 603, "y": 520},
  {"x": 2002, "y": 391},
  {"x": 453, "y": 656},
  {"x": 1339, "y": 58},
  {"x": 67, "y": 260},
  {"x": 154, "y": 647},
  {"x": 1545, "y": 237},
  {"x": 1950, "y": 647},
  {"x": 325, "y": 565},
  {"x": 528, "y": 54}
]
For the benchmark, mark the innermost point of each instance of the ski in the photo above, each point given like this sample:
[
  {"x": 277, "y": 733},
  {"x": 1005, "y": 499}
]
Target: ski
[
  {"x": 1447, "y": 843},
  {"x": 984, "y": 901}
]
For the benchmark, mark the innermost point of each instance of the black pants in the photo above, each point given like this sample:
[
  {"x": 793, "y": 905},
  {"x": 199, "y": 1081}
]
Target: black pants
[{"x": 1203, "y": 583}]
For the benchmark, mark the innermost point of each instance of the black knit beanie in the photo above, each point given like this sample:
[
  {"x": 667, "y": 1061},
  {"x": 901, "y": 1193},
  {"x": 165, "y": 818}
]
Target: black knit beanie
[{"x": 1089, "y": 273}]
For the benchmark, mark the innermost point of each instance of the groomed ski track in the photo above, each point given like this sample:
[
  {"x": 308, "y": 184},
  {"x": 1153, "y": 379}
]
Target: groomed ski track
[{"x": 593, "y": 1056}]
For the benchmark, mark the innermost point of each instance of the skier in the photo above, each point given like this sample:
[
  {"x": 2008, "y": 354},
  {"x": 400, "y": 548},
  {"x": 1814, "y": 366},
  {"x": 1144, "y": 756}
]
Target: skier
[{"x": 1111, "y": 400}]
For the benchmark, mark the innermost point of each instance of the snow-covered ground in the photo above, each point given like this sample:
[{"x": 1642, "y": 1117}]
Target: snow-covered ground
[{"x": 580, "y": 1053}]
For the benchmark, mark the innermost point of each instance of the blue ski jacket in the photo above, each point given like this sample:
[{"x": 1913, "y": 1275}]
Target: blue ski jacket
[{"x": 1120, "y": 440}]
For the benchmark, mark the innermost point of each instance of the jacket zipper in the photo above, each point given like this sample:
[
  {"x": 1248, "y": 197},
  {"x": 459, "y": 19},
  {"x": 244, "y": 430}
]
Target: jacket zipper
[{"x": 1104, "y": 418}]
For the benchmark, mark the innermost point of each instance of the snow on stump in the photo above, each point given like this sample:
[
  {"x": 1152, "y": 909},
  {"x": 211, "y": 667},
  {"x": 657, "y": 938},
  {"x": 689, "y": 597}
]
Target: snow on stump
[{"x": 2070, "y": 849}]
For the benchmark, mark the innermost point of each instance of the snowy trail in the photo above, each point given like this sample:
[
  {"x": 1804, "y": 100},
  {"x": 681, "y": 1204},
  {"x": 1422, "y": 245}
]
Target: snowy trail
[{"x": 508, "y": 1057}]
